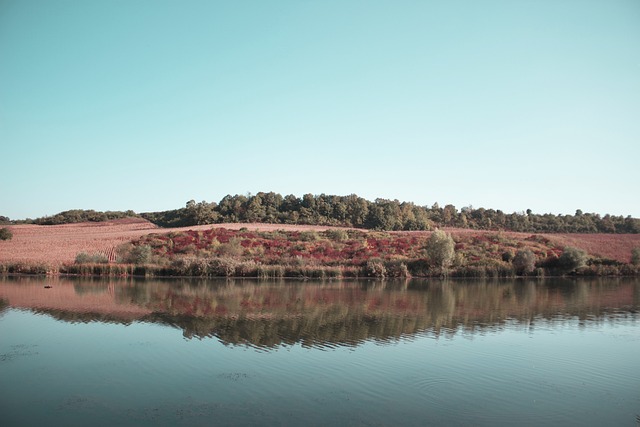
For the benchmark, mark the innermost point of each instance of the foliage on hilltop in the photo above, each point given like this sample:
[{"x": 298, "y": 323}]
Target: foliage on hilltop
[
  {"x": 357, "y": 212},
  {"x": 382, "y": 214},
  {"x": 79, "y": 215}
]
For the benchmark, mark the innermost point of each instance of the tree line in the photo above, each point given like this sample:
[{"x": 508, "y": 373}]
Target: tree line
[
  {"x": 73, "y": 216},
  {"x": 355, "y": 211},
  {"x": 381, "y": 214}
]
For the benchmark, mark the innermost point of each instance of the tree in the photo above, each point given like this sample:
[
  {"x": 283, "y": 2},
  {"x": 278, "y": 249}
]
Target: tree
[
  {"x": 440, "y": 249},
  {"x": 635, "y": 256},
  {"x": 5, "y": 234},
  {"x": 525, "y": 261},
  {"x": 572, "y": 259},
  {"x": 449, "y": 215},
  {"x": 141, "y": 254},
  {"x": 357, "y": 210},
  {"x": 200, "y": 213}
]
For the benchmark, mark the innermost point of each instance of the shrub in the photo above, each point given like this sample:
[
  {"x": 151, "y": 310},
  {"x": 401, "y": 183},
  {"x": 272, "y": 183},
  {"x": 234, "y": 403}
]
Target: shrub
[
  {"x": 223, "y": 267},
  {"x": 232, "y": 249},
  {"x": 95, "y": 258},
  {"x": 141, "y": 254},
  {"x": 5, "y": 233},
  {"x": 525, "y": 261},
  {"x": 396, "y": 268},
  {"x": 337, "y": 234},
  {"x": 572, "y": 259},
  {"x": 375, "y": 268},
  {"x": 309, "y": 236},
  {"x": 440, "y": 249},
  {"x": 418, "y": 267},
  {"x": 635, "y": 256},
  {"x": 507, "y": 256}
]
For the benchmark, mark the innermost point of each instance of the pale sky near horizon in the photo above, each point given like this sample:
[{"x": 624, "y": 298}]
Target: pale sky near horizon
[{"x": 144, "y": 105}]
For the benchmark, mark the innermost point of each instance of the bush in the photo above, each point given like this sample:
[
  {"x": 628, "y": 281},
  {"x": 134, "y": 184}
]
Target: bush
[
  {"x": 337, "y": 234},
  {"x": 525, "y": 261},
  {"x": 140, "y": 254},
  {"x": 232, "y": 249},
  {"x": 507, "y": 256},
  {"x": 95, "y": 258},
  {"x": 440, "y": 249},
  {"x": 635, "y": 256},
  {"x": 5, "y": 234},
  {"x": 396, "y": 268},
  {"x": 309, "y": 236},
  {"x": 572, "y": 259},
  {"x": 375, "y": 268}
]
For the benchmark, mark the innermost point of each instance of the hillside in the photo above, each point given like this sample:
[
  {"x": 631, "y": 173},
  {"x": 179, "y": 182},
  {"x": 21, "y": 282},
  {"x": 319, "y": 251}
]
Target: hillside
[
  {"x": 58, "y": 244},
  {"x": 309, "y": 247}
]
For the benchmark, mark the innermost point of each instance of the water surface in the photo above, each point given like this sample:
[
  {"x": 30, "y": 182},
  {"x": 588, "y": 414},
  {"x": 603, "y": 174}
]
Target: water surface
[{"x": 105, "y": 352}]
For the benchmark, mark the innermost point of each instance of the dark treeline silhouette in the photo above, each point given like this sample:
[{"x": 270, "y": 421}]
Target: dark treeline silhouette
[
  {"x": 382, "y": 214},
  {"x": 74, "y": 216},
  {"x": 355, "y": 211}
]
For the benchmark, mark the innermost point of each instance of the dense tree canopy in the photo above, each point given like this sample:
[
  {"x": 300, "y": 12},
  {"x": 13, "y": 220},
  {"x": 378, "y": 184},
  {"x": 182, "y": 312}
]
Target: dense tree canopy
[
  {"x": 383, "y": 214},
  {"x": 355, "y": 211},
  {"x": 80, "y": 215}
]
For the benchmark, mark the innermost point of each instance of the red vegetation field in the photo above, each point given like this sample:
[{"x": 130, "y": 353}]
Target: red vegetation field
[
  {"x": 59, "y": 244},
  {"x": 612, "y": 246}
]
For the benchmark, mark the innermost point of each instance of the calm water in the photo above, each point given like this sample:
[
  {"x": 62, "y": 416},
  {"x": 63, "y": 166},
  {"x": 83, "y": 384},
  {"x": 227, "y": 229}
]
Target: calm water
[{"x": 555, "y": 352}]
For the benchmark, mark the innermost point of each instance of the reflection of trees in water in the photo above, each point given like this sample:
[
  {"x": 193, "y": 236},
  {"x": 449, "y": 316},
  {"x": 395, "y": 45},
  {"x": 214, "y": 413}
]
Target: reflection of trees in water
[
  {"x": 269, "y": 314},
  {"x": 85, "y": 316},
  {"x": 343, "y": 313}
]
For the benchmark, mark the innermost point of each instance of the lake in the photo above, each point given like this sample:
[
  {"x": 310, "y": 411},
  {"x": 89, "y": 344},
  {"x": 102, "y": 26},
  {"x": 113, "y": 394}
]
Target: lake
[{"x": 200, "y": 353}]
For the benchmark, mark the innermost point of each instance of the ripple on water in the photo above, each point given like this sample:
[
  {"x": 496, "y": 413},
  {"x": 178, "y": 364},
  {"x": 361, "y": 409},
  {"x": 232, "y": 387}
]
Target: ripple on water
[
  {"x": 18, "y": 351},
  {"x": 486, "y": 400}
]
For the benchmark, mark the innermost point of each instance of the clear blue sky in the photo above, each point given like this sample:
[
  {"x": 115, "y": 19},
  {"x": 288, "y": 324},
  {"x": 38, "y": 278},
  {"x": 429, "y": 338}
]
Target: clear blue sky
[{"x": 144, "y": 105}]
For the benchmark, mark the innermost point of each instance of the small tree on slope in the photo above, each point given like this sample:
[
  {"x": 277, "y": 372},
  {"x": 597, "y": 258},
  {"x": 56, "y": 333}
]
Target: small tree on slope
[{"x": 440, "y": 249}]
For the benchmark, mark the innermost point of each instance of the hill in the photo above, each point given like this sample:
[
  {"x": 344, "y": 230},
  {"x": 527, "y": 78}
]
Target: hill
[{"x": 275, "y": 249}]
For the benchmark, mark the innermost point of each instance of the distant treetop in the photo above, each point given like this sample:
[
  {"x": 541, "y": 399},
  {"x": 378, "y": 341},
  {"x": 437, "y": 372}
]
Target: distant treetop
[{"x": 357, "y": 212}]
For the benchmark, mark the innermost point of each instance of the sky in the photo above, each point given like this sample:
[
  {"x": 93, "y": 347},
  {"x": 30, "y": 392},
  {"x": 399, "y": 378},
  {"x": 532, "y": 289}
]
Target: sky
[{"x": 146, "y": 104}]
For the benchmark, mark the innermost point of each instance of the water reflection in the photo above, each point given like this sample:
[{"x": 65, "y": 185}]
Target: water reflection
[{"x": 271, "y": 314}]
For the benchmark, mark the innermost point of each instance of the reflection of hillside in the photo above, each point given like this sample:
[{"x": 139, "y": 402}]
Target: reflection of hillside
[
  {"x": 71, "y": 300},
  {"x": 268, "y": 314},
  {"x": 349, "y": 313}
]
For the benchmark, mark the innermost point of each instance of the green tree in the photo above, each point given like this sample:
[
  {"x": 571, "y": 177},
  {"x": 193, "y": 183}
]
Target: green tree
[
  {"x": 440, "y": 249},
  {"x": 5, "y": 234},
  {"x": 200, "y": 213},
  {"x": 635, "y": 256},
  {"x": 141, "y": 254},
  {"x": 255, "y": 210},
  {"x": 525, "y": 261},
  {"x": 357, "y": 210},
  {"x": 572, "y": 259}
]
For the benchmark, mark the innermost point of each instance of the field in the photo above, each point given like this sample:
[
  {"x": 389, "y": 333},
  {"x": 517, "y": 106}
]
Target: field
[{"x": 59, "y": 244}]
